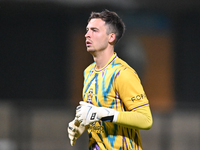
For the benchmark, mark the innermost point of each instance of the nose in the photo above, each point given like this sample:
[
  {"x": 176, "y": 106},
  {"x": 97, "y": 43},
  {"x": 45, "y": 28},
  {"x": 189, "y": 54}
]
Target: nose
[{"x": 87, "y": 34}]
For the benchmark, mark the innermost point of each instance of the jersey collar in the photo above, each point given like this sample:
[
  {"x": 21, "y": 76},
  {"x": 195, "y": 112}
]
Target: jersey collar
[{"x": 109, "y": 62}]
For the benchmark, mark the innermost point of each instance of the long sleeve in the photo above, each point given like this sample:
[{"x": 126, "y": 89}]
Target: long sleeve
[
  {"x": 140, "y": 119},
  {"x": 136, "y": 113}
]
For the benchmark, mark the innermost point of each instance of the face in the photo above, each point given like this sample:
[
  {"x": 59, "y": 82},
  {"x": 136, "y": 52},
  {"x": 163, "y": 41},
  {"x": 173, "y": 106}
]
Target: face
[{"x": 96, "y": 36}]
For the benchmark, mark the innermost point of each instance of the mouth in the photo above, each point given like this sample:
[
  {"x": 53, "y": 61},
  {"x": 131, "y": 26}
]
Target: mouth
[{"x": 88, "y": 43}]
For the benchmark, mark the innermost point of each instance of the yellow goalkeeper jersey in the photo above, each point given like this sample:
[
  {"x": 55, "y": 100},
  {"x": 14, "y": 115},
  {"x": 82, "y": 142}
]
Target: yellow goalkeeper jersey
[{"x": 115, "y": 86}]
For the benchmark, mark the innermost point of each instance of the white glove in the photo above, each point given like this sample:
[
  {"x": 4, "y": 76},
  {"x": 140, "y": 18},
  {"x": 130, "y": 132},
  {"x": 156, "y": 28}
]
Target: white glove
[
  {"x": 87, "y": 113},
  {"x": 75, "y": 131}
]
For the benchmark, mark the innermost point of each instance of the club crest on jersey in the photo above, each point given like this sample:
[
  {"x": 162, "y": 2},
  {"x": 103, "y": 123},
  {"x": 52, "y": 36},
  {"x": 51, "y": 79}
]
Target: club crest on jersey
[{"x": 90, "y": 95}]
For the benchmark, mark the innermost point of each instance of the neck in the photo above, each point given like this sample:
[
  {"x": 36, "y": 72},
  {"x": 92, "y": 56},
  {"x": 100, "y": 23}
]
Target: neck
[{"x": 102, "y": 58}]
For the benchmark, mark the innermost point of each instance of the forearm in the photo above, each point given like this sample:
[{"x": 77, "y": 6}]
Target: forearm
[{"x": 141, "y": 119}]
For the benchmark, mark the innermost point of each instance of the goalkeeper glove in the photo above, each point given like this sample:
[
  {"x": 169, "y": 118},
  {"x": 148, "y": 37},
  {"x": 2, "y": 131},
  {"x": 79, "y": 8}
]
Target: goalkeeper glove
[
  {"x": 87, "y": 113},
  {"x": 75, "y": 131}
]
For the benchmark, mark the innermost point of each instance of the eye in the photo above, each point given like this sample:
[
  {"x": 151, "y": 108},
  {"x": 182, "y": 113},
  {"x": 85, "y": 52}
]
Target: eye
[
  {"x": 94, "y": 29},
  {"x": 86, "y": 30}
]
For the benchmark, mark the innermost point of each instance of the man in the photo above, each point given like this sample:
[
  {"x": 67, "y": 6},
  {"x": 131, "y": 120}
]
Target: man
[{"x": 114, "y": 106}]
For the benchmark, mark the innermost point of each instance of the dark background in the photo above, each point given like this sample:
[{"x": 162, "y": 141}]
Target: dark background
[
  {"x": 36, "y": 51},
  {"x": 39, "y": 58}
]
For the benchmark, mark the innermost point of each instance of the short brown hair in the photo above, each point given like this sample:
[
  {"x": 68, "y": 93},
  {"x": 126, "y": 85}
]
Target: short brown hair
[{"x": 115, "y": 23}]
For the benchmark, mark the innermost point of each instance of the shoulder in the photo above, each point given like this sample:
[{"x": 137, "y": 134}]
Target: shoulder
[
  {"x": 125, "y": 68},
  {"x": 125, "y": 73},
  {"x": 89, "y": 68}
]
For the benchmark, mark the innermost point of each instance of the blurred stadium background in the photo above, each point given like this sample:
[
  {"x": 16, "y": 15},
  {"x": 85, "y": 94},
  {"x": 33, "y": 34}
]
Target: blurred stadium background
[{"x": 43, "y": 56}]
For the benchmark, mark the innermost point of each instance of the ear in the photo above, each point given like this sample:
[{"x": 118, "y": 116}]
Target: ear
[{"x": 111, "y": 38}]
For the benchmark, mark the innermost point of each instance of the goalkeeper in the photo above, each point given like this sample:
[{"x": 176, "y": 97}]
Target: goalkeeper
[{"x": 115, "y": 106}]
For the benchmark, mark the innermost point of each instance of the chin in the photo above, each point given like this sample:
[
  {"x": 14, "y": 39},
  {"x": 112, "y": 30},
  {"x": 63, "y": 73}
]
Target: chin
[{"x": 90, "y": 50}]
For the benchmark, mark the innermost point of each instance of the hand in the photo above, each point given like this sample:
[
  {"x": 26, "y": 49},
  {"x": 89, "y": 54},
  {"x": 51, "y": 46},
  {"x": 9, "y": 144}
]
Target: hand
[
  {"x": 87, "y": 113},
  {"x": 75, "y": 131}
]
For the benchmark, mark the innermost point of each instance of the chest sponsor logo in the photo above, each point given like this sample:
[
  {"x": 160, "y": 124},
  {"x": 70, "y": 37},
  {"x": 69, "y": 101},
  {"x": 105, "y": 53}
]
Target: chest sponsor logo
[{"x": 96, "y": 128}]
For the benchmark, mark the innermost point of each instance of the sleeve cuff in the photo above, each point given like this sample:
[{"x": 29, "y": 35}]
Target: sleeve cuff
[{"x": 115, "y": 116}]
